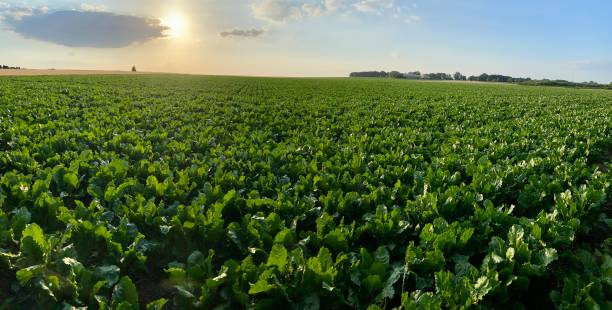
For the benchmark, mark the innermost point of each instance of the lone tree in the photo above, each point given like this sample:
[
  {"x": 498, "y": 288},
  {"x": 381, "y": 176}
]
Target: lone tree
[{"x": 133, "y": 68}]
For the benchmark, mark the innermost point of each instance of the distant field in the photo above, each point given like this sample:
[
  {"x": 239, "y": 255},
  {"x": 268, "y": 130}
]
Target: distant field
[
  {"x": 182, "y": 192},
  {"x": 36, "y": 72}
]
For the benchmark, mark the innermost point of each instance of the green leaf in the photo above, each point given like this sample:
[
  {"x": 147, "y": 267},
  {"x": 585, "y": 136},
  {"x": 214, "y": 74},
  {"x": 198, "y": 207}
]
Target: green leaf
[
  {"x": 388, "y": 291},
  {"x": 125, "y": 306},
  {"x": 25, "y": 275},
  {"x": 176, "y": 275},
  {"x": 260, "y": 286},
  {"x": 21, "y": 217},
  {"x": 157, "y": 304},
  {"x": 325, "y": 259},
  {"x": 45, "y": 285},
  {"x": 382, "y": 255},
  {"x": 462, "y": 265},
  {"x": 71, "y": 179},
  {"x": 481, "y": 288},
  {"x": 515, "y": 235},
  {"x": 336, "y": 239},
  {"x": 510, "y": 254},
  {"x": 547, "y": 256},
  {"x": 278, "y": 257},
  {"x": 372, "y": 283},
  {"x": 109, "y": 273},
  {"x": 285, "y": 237},
  {"x": 125, "y": 293},
  {"x": 466, "y": 235},
  {"x": 33, "y": 243}
]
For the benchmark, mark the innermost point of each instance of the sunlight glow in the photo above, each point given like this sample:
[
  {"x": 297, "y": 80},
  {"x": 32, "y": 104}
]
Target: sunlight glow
[{"x": 177, "y": 25}]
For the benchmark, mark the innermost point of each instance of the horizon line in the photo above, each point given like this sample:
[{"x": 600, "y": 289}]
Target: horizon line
[{"x": 119, "y": 71}]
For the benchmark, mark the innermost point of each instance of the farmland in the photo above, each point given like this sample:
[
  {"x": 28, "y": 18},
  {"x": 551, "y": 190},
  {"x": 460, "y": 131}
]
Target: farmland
[{"x": 180, "y": 192}]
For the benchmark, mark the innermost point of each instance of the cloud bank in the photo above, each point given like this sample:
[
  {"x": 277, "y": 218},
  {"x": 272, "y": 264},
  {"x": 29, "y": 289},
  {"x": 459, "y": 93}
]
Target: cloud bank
[
  {"x": 86, "y": 28},
  {"x": 248, "y": 33}
]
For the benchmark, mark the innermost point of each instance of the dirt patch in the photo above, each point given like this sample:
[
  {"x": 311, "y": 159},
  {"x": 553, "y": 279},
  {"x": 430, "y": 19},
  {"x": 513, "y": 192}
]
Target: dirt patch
[{"x": 6, "y": 278}]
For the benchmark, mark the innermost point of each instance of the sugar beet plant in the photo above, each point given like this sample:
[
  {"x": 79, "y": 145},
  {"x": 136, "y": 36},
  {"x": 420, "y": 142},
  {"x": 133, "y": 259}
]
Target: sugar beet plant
[{"x": 175, "y": 192}]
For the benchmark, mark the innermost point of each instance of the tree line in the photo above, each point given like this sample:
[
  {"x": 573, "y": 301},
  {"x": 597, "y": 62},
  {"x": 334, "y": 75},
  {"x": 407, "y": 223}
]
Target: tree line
[
  {"x": 564, "y": 83},
  {"x": 497, "y": 78},
  {"x": 9, "y": 67},
  {"x": 457, "y": 76}
]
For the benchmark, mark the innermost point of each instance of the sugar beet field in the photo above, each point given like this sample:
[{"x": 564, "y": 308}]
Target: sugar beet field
[{"x": 181, "y": 192}]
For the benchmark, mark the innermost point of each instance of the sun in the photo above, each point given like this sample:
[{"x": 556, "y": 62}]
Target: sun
[{"x": 177, "y": 25}]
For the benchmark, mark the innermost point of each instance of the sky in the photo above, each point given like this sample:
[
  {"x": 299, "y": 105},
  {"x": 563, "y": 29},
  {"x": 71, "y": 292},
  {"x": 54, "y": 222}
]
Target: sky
[{"x": 558, "y": 39}]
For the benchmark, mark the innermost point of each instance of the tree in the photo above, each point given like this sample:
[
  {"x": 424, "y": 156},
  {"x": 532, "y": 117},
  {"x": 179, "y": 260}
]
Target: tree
[
  {"x": 133, "y": 68},
  {"x": 395, "y": 75},
  {"x": 458, "y": 76}
]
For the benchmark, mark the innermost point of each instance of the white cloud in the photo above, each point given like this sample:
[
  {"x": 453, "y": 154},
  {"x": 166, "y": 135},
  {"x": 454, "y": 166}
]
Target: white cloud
[
  {"x": 8, "y": 11},
  {"x": 281, "y": 11},
  {"x": 374, "y": 6},
  {"x": 334, "y": 5},
  {"x": 313, "y": 10},
  {"x": 93, "y": 7},
  {"x": 277, "y": 11}
]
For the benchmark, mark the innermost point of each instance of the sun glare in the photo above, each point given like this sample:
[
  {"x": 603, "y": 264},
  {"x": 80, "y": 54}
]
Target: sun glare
[{"x": 177, "y": 25}]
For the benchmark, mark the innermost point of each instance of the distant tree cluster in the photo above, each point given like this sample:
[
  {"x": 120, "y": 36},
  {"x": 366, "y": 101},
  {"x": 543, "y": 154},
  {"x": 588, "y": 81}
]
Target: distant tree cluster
[
  {"x": 457, "y": 76},
  {"x": 383, "y": 74},
  {"x": 438, "y": 76},
  {"x": 497, "y": 78},
  {"x": 414, "y": 75},
  {"x": 9, "y": 67},
  {"x": 369, "y": 74},
  {"x": 564, "y": 83}
]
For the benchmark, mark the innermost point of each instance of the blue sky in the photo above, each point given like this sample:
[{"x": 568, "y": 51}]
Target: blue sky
[{"x": 540, "y": 39}]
